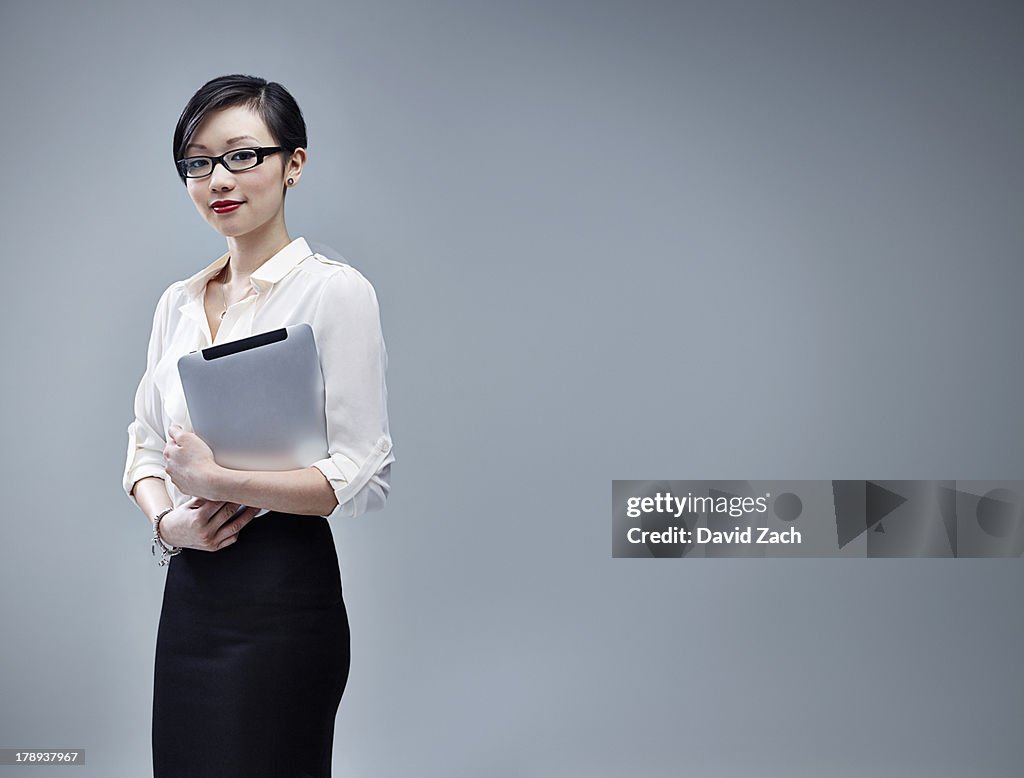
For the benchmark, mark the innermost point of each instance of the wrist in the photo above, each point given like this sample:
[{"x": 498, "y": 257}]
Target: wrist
[
  {"x": 216, "y": 482},
  {"x": 161, "y": 549},
  {"x": 158, "y": 535}
]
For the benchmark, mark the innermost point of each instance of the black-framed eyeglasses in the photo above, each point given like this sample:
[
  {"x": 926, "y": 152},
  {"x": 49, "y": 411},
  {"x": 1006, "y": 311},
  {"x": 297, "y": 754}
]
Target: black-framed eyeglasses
[{"x": 235, "y": 160}]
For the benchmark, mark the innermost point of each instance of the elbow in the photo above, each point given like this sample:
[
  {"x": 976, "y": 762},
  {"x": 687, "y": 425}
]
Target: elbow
[
  {"x": 359, "y": 489},
  {"x": 377, "y": 493},
  {"x": 370, "y": 499}
]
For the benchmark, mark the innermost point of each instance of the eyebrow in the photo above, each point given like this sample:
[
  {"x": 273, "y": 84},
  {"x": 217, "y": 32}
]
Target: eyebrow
[{"x": 228, "y": 142}]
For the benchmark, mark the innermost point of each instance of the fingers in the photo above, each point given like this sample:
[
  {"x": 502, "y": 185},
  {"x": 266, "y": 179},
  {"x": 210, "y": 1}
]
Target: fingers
[
  {"x": 243, "y": 517},
  {"x": 226, "y": 542},
  {"x": 228, "y": 532},
  {"x": 206, "y": 510},
  {"x": 210, "y": 509},
  {"x": 223, "y": 514},
  {"x": 214, "y": 524},
  {"x": 227, "y": 508}
]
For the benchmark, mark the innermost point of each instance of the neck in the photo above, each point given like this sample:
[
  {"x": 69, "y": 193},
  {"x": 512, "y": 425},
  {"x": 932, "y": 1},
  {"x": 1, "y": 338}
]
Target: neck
[{"x": 248, "y": 252}]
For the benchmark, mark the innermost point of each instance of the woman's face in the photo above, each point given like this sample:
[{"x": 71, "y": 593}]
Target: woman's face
[{"x": 260, "y": 190}]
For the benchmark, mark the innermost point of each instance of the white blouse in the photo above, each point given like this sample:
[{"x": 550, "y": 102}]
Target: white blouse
[{"x": 294, "y": 286}]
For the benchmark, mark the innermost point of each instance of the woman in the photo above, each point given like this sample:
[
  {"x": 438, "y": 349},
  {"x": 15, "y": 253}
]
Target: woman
[{"x": 252, "y": 652}]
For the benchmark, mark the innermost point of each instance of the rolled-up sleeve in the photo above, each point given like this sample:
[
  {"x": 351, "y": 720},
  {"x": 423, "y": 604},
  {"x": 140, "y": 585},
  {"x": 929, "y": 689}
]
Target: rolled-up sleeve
[
  {"x": 354, "y": 361},
  {"x": 145, "y": 441}
]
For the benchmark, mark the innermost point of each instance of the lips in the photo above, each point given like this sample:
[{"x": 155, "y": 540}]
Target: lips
[{"x": 225, "y": 206}]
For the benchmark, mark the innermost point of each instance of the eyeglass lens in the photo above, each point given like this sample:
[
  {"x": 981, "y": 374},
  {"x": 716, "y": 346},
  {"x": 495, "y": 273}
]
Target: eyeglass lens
[{"x": 240, "y": 159}]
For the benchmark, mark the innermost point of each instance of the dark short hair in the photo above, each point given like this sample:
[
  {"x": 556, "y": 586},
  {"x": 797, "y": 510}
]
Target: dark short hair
[{"x": 271, "y": 101}]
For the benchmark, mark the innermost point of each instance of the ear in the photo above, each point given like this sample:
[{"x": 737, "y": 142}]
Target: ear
[{"x": 293, "y": 167}]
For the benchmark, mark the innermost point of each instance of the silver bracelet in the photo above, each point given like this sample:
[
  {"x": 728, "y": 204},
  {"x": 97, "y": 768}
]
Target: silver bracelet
[{"x": 159, "y": 547}]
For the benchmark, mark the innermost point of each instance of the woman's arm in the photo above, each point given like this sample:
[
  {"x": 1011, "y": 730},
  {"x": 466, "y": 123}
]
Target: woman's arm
[
  {"x": 353, "y": 359},
  {"x": 306, "y": 491},
  {"x": 199, "y": 524},
  {"x": 150, "y": 494},
  {"x": 192, "y": 468},
  {"x": 145, "y": 462}
]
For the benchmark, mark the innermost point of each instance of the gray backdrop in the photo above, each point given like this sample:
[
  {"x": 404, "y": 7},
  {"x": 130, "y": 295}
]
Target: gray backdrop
[{"x": 633, "y": 240}]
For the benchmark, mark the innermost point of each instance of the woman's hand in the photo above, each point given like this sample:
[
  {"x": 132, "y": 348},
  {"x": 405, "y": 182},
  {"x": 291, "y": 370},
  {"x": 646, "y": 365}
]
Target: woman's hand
[
  {"x": 204, "y": 525},
  {"x": 189, "y": 462}
]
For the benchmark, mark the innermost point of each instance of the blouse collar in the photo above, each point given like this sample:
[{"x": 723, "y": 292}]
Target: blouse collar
[{"x": 264, "y": 277}]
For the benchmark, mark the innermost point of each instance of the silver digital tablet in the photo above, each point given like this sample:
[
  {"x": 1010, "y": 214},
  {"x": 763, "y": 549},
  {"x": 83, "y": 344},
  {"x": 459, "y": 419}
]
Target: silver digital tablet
[{"x": 259, "y": 402}]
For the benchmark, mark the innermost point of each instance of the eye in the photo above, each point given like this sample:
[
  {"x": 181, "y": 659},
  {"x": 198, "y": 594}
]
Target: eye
[
  {"x": 196, "y": 163},
  {"x": 243, "y": 155}
]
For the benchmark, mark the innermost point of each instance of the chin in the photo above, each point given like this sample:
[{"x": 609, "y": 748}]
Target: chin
[
  {"x": 230, "y": 230},
  {"x": 232, "y": 233}
]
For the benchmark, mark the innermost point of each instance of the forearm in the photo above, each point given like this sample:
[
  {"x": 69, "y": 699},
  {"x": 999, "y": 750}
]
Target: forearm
[
  {"x": 151, "y": 496},
  {"x": 305, "y": 491}
]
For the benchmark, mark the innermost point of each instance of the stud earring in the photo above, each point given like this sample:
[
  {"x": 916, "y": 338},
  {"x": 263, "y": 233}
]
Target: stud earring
[{"x": 291, "y": 181}]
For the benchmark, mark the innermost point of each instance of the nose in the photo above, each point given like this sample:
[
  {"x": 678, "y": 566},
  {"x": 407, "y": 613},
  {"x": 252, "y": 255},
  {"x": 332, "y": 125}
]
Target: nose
[{"x": 221, "y": 177}]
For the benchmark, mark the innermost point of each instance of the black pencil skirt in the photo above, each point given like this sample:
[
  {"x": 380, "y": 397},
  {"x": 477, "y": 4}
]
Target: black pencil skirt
[{"x": 252, "y": 655}]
